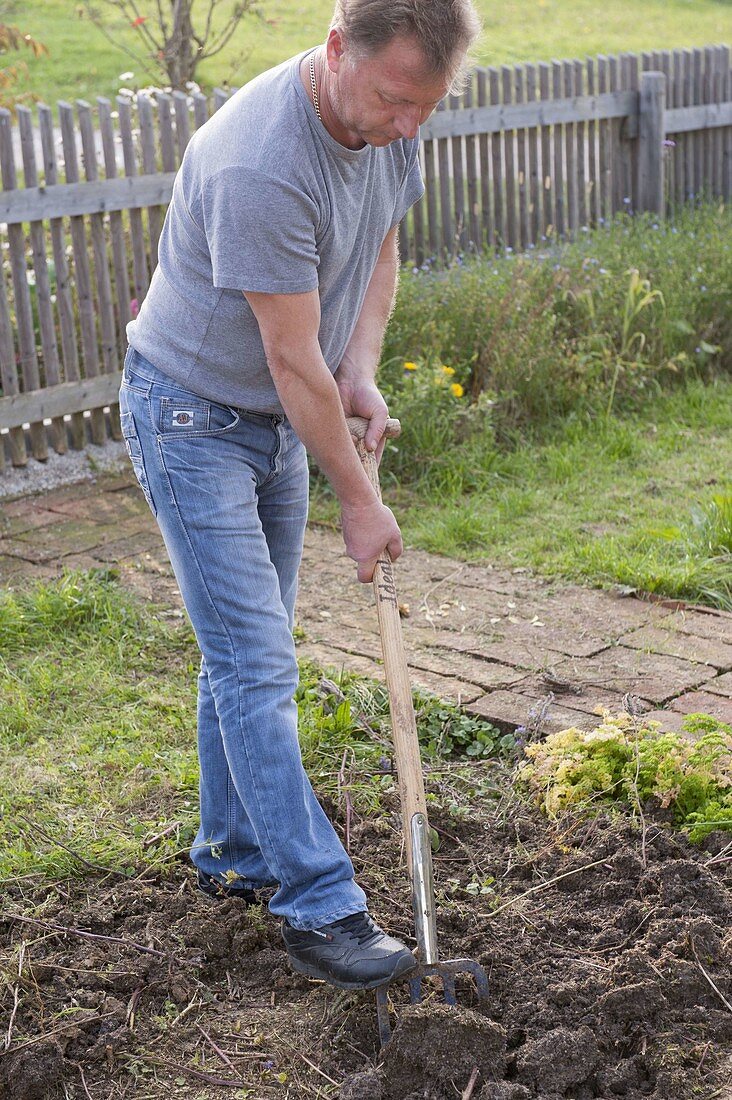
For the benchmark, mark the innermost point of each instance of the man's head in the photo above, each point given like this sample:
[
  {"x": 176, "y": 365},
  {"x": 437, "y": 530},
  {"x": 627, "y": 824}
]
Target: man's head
[{"x": 392, "y": 61}]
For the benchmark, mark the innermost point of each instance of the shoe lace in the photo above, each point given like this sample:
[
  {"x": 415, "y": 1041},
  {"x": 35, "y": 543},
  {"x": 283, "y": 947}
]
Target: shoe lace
[{"x": 363, "y": 929}]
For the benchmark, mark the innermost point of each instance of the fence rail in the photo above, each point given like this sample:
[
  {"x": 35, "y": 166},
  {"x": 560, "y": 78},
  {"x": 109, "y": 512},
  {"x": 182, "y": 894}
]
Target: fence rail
[{"x": 526, "y": 154}]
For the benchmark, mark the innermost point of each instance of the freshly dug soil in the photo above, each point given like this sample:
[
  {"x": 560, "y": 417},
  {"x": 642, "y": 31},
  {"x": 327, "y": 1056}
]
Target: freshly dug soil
[{"x": 608, "y": 951}]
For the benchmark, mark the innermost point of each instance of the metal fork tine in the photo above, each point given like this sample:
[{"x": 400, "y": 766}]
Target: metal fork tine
[
  {"x": 382, "y": 1014},
  {"x": 447, "y": 971},
  {"x": 448, "y": 982}
]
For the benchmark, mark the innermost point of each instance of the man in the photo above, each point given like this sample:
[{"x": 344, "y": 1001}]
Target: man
[{"x": 260, "y": 333}]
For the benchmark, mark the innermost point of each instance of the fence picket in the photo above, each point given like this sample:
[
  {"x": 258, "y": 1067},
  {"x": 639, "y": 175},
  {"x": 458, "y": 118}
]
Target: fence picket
[
  {"x": 581, "y": 138},
  {"x": 458, "y": 178},
  {"x": 715, "y": 137},
  {"x": 499, "y": 206},
  {"x": 524, "y": 230},
  {"x": 99, "y": 245},
  {"x": 546, "y": 189},
  {"x": 149, "y": 167},
  {"x": 220, "y": 96},
  {"x": 560, "y": 220},
  {"x": 664, "y": 64},
  {"x": 85, "y": 296},
  {"x": 629, "y": 82},
  {"x": 200, "y": 109},
  {"x": 23, "y": 308},
  {"x": 430, "y": 184},
  {"x": 677, "y": 150},
  {"x": 443, "y": 165},
  {"x": 44, "y": 303},
  {"x": 182, "y": 123},
  {"x": 167, "y": 137},
  {"x": 116, "y": 226},
  {"x": 509, "y": 150},
  {"x": 726, "y": 130},
  {"x": 697, "y": 96},
  {"x": 140, "y": 271},
  {"x": 593, "y": 171},
  {"x": 534, "y": 177},
  {"x": 64, "y": 295},
  {"x": 475, "y": 235},
  {"x": 604, "y": 139},
  {"x": 8, "y": 380},
  {"x": 487, "y": 224},
  {"x": 570, "y": 146}
]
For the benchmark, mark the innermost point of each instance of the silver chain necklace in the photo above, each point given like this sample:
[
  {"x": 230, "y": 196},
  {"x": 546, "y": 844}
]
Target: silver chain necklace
[{"x": 314, "y": 86}]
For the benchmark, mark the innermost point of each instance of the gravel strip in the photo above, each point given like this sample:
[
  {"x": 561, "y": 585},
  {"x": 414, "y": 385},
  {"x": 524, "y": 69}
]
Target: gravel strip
[{"x": 39, "y": 477}]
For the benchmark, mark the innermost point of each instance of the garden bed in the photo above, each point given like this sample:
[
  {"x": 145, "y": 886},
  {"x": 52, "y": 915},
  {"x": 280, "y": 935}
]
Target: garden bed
[{"x": 607, "y": 947}]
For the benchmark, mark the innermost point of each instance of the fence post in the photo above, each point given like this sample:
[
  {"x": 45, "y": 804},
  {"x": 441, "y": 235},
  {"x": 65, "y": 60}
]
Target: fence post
[{"x": 651, "y": 134}]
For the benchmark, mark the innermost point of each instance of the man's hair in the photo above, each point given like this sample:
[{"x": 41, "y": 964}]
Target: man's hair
[{"x": 444, "y": 29}]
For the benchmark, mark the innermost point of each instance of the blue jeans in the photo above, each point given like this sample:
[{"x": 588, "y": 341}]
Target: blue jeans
[{"x": 229, "y": 490}]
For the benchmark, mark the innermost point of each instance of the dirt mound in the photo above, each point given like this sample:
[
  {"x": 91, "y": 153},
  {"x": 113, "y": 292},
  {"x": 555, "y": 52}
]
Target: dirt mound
[{"x": 608, "y": 952}]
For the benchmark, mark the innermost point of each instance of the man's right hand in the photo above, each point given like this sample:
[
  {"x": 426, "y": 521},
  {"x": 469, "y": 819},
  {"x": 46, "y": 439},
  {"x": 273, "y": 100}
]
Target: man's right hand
[{"x": 368, "y": 530}]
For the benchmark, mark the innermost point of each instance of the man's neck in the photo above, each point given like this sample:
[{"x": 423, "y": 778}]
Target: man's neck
[{"x": 328, "y": 116}]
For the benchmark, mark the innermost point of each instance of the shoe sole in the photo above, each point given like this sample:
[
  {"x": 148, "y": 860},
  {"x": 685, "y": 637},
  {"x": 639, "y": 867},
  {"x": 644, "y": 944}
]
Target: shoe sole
[{"x": 310, "y": 971}]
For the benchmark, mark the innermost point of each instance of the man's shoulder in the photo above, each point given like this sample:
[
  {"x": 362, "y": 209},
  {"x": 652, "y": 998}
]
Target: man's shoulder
[{"x": 257, "y": 127}]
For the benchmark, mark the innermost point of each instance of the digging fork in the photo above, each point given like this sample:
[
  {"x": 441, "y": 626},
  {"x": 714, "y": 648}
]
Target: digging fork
[{"x": 415, "y": 825}]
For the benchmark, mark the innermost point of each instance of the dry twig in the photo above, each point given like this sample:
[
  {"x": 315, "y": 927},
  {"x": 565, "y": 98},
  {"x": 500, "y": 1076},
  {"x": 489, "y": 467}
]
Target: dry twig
[
  {"x": 468, "y": 1091},
  {"x": 546, "y": 885},
  {"x": 224, "y": 1057},
  {"x": 715, "y": 987},
  {"x": 16, "y": 996},
  {"x": 197, "y": 1073},
  {"x": 91, "y": 935}
]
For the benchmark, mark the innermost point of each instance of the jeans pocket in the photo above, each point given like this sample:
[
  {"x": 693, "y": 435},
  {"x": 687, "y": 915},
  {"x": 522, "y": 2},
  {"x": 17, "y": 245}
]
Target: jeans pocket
[
  {"x": 134, "y": 450},
  {"x": 189, "y": 416}
]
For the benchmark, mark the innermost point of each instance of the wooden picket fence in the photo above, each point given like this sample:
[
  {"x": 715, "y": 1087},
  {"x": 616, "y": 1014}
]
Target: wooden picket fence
[{"x": 526, "y": 154}]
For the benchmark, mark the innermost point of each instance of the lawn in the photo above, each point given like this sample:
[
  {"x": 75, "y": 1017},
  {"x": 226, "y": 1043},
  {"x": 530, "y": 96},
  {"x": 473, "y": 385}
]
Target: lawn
[{"x": 83, "y": 63}]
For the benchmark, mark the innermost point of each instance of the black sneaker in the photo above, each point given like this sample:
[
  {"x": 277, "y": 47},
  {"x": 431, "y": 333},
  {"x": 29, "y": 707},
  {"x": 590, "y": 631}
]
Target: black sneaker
[
  {"x": 352, "y": 953},
  {"x": 214, "y": 888}
]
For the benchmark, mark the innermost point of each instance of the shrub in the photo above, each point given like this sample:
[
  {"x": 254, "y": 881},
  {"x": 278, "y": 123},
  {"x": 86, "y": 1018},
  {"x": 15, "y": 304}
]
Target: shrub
[{"x": 582, "y": 327}]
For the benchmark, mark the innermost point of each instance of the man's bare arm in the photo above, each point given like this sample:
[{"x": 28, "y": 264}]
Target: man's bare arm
[
  {"x": 355, "y": 375},
  {"x": 289, "y": 325}
]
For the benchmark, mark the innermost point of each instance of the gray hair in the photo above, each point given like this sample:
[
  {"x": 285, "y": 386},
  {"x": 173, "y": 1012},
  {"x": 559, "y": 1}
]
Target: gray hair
[{"x": 445, "y": 30}]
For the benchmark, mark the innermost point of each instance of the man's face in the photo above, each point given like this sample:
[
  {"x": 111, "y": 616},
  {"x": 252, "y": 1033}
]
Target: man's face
[{"x": 386, "y": 96}]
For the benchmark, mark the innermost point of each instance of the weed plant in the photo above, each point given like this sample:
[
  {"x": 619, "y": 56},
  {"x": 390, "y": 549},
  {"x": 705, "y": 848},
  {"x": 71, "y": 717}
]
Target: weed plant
[
  {"x": 630, "y": 761},
  {"x": 599, "y": 325}
]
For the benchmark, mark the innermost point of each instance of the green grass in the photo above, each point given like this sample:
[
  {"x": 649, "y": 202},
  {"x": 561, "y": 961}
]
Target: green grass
[
  {"x": 642, "y": 500},
  {"x": 98, "y": 730},
  {"x": 82, "y": 63}
]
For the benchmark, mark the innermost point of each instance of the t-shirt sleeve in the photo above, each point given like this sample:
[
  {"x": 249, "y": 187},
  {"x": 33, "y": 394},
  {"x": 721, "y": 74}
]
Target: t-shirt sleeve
[
  {"x": 412, "y": 187},
  {"x": 260, "y": 232}
]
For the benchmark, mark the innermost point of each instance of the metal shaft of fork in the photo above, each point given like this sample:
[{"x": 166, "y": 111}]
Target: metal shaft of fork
[{"x": 423, "y": 890}]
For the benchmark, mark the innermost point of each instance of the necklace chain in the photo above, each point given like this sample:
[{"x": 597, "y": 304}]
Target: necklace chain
[{"x": 314, "y": 86}]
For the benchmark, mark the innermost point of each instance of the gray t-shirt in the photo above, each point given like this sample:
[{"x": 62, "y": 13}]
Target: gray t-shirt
[{"x": 266, "y": 200}]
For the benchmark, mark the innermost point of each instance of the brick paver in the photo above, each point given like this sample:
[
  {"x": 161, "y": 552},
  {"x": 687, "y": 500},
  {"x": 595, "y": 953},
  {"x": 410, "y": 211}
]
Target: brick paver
[{"x": 507, "y": 645}]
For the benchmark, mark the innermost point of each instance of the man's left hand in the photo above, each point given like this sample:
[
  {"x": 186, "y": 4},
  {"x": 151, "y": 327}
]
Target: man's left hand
[{"x": 364, "y": 399}]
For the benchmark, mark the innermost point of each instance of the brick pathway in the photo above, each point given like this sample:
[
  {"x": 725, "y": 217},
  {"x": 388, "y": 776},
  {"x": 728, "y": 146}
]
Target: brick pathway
[{"x": 506, "y": 645}]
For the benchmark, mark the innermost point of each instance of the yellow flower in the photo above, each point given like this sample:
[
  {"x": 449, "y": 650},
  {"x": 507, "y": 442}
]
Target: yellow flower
[
  {"x": 457, "y": 389},
  {"x": 410, "y": 366},
  {"x": 448, "y": 370}
]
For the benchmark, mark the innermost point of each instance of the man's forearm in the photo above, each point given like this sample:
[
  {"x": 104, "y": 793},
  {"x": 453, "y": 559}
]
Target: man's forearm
[
  {"x": 310, "y": 399},
  {"x": 363, "y": 352}
]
